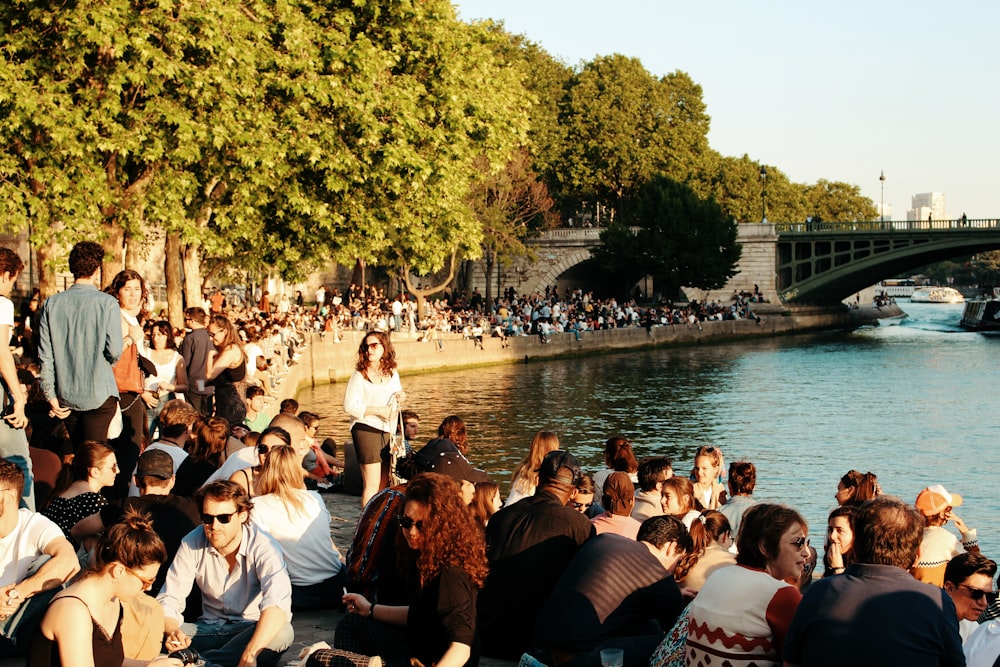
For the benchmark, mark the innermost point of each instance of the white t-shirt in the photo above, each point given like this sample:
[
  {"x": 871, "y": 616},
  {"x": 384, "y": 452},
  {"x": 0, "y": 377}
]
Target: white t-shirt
[
  {"x": 26, "y": 542},
  {"x": 6, "y": 312},
  {"x": 305, "y": 541},
  {"x": 242, "y": 458}
]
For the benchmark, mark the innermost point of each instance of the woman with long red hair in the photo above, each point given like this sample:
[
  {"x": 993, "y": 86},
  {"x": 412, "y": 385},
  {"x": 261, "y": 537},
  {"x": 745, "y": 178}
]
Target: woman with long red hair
[{"x": 444, "y": 550}]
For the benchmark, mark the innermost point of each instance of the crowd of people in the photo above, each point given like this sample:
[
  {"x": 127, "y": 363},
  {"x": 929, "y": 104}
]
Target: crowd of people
[{"x": 183, "y": 522}]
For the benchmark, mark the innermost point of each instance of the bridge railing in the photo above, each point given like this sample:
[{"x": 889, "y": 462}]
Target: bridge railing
[{"x": 885, "y": 225}]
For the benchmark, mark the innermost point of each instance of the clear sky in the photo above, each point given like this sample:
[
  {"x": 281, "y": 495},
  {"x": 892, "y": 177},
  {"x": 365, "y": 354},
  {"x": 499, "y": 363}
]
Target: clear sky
[{"x": 828, "y": 90}]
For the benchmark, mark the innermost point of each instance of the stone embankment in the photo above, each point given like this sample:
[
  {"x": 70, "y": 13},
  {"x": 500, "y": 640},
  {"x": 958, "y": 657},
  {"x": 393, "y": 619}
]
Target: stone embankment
[{"x": 324, "y": 361}]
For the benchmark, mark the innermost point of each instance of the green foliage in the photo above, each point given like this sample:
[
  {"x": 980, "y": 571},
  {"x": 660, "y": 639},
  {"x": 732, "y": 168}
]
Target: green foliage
[
  {"x": 836, "y": 201},
  {"x": 674, "y": 235}
]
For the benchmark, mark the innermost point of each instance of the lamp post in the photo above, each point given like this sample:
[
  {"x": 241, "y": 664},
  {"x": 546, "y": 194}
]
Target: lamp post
[
  {"x": 881, "y": 206},
  {"x": 763, "y": 193}
]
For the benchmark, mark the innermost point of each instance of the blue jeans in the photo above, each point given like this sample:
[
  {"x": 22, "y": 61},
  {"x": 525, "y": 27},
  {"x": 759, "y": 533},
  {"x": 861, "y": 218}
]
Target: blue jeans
[
  {"x": 222, "y": 644},
  {"x": 14, "y": 448}
]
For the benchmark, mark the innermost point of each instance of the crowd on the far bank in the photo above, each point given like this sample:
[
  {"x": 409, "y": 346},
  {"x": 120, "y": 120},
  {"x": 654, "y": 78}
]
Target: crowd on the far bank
[{"x": 178, "y": 521}]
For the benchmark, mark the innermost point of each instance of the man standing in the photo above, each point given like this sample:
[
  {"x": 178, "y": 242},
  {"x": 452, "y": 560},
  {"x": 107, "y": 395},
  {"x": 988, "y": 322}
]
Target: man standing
[
  {"x": 245, "y": 591},
  {"x": 79, "y": 338},
  {"x": 529, "y": 545},
  {"x": 24, "y": 538},
  {"x": 195, "y": 348},
  {"x": 876, "y": 613},
  {"x": 615, "y": 593}
]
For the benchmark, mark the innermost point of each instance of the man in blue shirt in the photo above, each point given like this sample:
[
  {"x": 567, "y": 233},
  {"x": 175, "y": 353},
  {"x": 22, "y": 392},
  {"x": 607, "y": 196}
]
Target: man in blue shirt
[
  {"x": 245, "y": 591},
  {"x": 79, "y": 337}
]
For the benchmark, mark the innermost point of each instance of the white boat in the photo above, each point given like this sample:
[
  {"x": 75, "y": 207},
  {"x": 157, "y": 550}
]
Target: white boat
[{"x": 937, "y": 295}]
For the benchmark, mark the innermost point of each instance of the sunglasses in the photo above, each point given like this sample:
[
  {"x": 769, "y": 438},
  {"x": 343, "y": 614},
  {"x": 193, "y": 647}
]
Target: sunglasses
[
  {"x": 978, "y": 594},
  {"x": 582, "y": 506},
  {"x": 262, "y": 449},
  {"x": 372, "y": 346},
  {"x": 800, "y": 542},
  {"x": 209, "y": 519},
  {"x": 146, "y": 583},
  {"x": 406, "y": 522}
]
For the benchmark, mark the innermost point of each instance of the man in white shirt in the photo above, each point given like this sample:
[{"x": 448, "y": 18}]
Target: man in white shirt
[{"x": 35, "y": 560}]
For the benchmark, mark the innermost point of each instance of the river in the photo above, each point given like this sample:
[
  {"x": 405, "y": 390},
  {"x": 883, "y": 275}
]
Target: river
[{"x": 912, "y": 400}]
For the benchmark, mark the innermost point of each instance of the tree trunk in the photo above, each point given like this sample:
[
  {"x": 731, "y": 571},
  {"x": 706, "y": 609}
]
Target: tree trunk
[
  {"x": 175, "y": 280},
  {"x": 191, "y": 261},
  {"x": 423, "y": 293},
  {"x": 490, "y": 260},
  {"x": 45, "y": 254},
  {"x": 114, "y": 252}
]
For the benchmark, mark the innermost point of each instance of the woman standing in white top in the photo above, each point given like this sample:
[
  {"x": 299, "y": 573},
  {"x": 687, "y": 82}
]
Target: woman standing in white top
[
  {"x": 372, "y": 400},
  {"x": 171, "y": 376}
]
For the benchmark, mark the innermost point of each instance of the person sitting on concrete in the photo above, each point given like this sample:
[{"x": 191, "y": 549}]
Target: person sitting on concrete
[
  {"x": 968, "y": 580},
  {"x": 648, "y": 497},
  {"x": 876, "y": 613},
  {"x": 615, "y": 593},
  {"x": 742, "y": 480},
  {"x": 246, "y": 593},
  {"x": 618, "y": 502},
  {"x": 24, "y": 594},
  {"x": 529, "y": 543},
  {"x": 939, "y": 546}
]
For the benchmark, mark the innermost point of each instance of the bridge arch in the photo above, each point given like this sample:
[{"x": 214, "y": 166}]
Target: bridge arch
[{"x": 826, "y": 263}]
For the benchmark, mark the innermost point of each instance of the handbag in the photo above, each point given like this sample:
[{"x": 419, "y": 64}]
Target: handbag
[{"x": 128, "y": 377}]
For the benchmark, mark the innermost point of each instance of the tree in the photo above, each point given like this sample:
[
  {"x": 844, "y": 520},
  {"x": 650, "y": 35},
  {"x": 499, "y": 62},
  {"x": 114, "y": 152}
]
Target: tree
[
  {"x": 512, "y": 205},
  {"x": 675, "y": 236},
  {"x": 836, "y": 201}
]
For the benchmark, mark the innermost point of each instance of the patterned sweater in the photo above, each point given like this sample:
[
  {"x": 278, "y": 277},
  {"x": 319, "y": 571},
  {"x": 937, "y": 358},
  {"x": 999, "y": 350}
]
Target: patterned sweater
[{"x": 740, "y": 618}]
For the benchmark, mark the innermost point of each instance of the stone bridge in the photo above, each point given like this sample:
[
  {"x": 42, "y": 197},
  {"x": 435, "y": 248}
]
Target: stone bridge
[{"x": 806, "y": 263}]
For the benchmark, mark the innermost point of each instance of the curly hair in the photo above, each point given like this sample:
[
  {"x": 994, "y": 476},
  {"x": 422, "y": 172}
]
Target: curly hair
[
  {"x": 120, "y": 280},
  {"x": 453, "y": 428},
  {"x": 451, "y": 536},
  {"x": 388, "y": 362}
]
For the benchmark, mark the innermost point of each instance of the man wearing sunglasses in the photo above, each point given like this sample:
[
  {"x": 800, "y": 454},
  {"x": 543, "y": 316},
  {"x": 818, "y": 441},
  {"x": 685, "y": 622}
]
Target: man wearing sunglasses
[
  {"x": 245, "y": 590},
  {"x": 968, "y": 579}
]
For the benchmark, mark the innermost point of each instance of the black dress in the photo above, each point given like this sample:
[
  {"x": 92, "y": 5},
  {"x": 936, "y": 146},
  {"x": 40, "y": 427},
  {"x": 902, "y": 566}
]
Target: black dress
[
  {"x": 228, "y": 403},
  {"x": 43, "y": 652}
]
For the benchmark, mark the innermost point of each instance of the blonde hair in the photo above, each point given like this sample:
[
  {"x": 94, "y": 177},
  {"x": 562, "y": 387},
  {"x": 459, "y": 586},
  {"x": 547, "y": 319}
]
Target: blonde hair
[
  {"x": 282, "y": 475},
  {"x": 525, "y": 475}
]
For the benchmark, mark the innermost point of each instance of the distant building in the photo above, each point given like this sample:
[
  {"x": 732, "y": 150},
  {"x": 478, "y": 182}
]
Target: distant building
[
  {"x": 927, "y": 204},
  {"x": 885, "y": 211}
]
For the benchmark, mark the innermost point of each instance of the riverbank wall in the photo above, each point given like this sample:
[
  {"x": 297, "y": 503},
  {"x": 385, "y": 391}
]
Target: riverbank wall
[{"x": 325, "y": 361}]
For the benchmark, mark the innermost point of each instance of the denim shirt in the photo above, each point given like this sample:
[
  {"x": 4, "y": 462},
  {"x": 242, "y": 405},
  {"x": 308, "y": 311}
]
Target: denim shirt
[{"x": 79, "y": 337}]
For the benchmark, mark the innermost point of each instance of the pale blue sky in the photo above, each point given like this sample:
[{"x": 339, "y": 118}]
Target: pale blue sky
[{"x": 834, "y": 90}]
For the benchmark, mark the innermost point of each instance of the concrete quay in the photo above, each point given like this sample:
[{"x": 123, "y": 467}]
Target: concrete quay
[{"x": 324, "y": 361}]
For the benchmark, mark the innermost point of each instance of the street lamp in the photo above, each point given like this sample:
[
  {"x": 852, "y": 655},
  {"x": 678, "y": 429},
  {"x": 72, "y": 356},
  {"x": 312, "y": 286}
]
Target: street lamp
[
  {"x": 881, "y": 207},
  {"x": 763, "y": 193}
]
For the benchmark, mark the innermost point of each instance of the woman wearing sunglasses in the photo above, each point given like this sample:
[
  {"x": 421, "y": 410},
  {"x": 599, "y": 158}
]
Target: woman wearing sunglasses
[
  {"x": 372, "y": 400},
  {"x": 272, "y": 437},
  {"x": 83, "y": 624},
  {"x": 445, "y": 551},
  {"x": 742, "y": 612}
]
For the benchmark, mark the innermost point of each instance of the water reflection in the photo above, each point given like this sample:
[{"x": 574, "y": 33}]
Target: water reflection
[{"x": 913, "y": 401}]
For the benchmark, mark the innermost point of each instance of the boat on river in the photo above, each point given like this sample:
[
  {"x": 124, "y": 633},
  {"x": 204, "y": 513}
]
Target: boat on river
[
  {"x": 982, "y": 314},
  {"x": 937, "y": 295}
]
